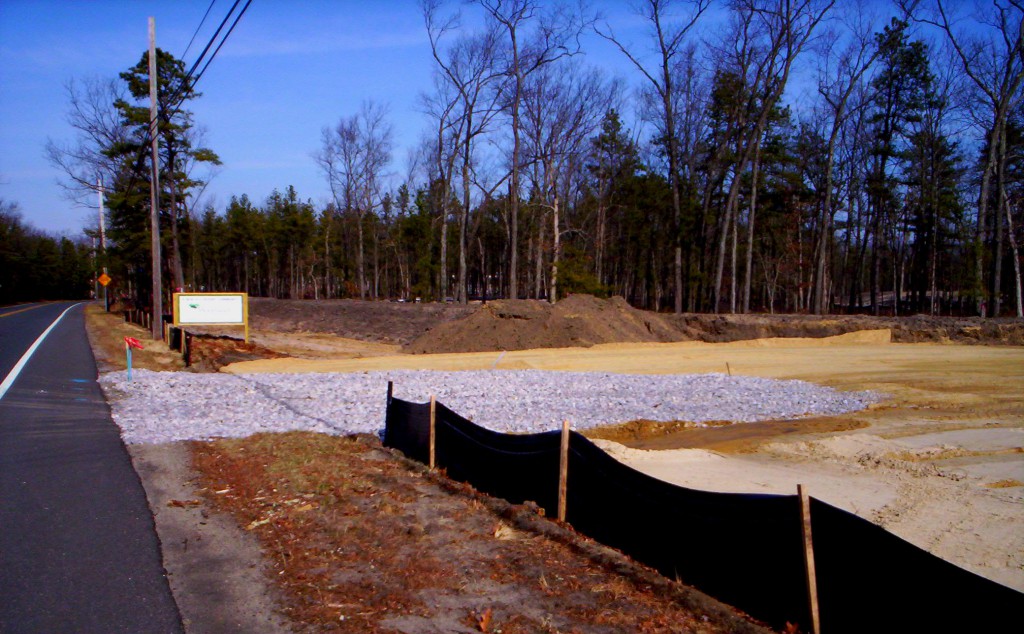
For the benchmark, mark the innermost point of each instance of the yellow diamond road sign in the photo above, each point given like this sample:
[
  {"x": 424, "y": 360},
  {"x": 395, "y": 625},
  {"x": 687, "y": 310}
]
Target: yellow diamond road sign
[{"x": 104, "y": 279}]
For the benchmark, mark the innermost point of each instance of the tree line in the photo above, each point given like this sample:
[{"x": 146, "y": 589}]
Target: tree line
[
  {"x": 37, "y": 266},
  {"x": 801, "y": 156}
]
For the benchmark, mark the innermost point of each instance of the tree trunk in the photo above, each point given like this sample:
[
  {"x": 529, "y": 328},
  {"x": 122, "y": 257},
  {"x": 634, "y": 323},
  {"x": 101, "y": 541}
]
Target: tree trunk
[
  {"x": 723, "y": 237},
  {"x": 443, "y": 286},
  {"x": 360, "y": 263},
  {"x": 750, "y": 227},
  {"x": 599, "y": 265},
  {"x": 463, "y": 230},
  {"x": 997, "y": 226},
  {"x": 555, "y": 250},
  {"x": 981, "y": 229},
  {"x": 732, "y": 264},
  {"x": 1016, "y": 258},
  {"x": 538, "y": 271}
]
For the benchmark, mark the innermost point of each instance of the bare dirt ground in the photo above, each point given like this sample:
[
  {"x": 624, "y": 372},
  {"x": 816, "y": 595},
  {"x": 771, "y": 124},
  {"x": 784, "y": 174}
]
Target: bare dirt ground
[
  {"x": 305, "y": 532},
  {"x": 360, "y": 540},
  {"x": 580, "y": 320},
  {"x": 940, "y": 462}
]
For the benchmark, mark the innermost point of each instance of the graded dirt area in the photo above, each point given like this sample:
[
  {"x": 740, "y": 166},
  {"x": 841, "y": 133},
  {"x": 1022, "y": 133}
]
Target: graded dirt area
[
  {"x": 328, "y": 327},
  {"x": 939, "y": 462}
]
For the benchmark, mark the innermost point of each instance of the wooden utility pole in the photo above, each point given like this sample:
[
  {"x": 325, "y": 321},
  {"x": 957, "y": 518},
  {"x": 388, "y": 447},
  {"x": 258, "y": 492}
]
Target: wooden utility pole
[
  {"x": 103, "y": 245},
  {"x": 154, "y": 190}
]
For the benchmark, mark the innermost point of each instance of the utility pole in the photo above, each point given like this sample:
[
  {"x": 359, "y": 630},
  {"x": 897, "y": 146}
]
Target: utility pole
[
  {"x": 103, "y": 245},
  {"x": 154, "y": 190}
]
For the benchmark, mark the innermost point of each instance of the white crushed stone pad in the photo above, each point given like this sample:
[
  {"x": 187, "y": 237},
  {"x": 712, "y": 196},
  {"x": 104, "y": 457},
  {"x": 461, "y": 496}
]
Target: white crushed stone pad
[{"x": 168, "y": 406}]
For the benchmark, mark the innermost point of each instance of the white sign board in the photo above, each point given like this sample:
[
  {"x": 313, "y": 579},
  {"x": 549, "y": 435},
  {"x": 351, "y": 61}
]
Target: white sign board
[{"x": 210, "y": 309}]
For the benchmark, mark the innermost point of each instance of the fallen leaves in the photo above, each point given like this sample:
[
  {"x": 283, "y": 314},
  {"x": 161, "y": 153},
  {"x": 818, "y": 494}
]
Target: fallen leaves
[
  {"x": 256, "y": 524},
  {"x": 356, "y": 538},
  {"x": 483, "y": 622},
  {"x": 183, "y": 504}
]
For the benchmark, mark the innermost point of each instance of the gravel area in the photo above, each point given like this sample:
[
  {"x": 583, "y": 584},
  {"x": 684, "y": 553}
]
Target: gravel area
[{"x": 168, "y": 406}]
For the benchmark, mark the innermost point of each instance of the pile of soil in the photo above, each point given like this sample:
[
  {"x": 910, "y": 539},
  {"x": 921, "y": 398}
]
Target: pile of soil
[
  {"x": 579, "y": 320},
  {"x": 909, "y": 329},
  {"x": 209, "y": 353},
  {"x": 381, "y": 322},
  {"x": 583, "y": 320}
]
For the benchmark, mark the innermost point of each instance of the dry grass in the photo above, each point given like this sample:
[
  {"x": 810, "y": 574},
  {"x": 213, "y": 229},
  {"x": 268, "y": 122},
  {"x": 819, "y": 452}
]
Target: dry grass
[
  {"x": 106, "y": 334},
  {"x": 363, "y": 541},
  {"x": 1005, "y": 484}
]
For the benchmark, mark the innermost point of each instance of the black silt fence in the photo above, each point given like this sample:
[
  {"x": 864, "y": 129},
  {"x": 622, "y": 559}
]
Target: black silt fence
[
  {"x": 744, "y": 549},
  {"x": 514, "y": 467},
  {"x": 870, "y": 580},
  {"x": 407, "y": 428}
]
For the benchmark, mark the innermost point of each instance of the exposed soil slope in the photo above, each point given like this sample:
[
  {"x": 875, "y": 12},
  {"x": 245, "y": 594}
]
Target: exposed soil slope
[
  {"x": 361, "y": 540},
  {"x": 583, "y": 320},
  {"x": 579, "y": 320},
  {"x": 383, "y": 322}
]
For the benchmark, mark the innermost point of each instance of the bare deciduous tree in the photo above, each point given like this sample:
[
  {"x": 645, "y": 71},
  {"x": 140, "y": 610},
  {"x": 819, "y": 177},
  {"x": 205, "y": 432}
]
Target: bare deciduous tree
[
  {"x": 470, "y": 70},
  {"x": 98, "y": 127},
  {"x": 535, "y": 39},
  {"x": 669, "y": 34},
  {"x": 353, "y": 157},
  {"x": 992, "y": 56}
]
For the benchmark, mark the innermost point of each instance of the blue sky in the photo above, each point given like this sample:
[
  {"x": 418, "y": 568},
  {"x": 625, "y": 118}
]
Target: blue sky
[{"x": 288, "y": 70}]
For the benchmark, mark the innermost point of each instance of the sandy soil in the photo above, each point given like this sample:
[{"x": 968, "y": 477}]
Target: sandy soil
[{"x": 940, "y": 462}]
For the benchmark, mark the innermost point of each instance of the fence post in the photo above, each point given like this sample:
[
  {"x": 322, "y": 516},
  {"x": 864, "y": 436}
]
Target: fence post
[
  {"x": 391, "y": 389},
  {"x": 812, "y": 579},
  {"x": 563, "y": 471},
  {"x": 433, "y": 434}
]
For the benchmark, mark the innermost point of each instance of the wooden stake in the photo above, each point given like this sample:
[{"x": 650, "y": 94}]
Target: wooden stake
[
  {"x": 433, "y": 435},
  {"x": 391, "y": 389},
  {"x": 812, "y": 579},
  {"x": 563, "y": 471}
]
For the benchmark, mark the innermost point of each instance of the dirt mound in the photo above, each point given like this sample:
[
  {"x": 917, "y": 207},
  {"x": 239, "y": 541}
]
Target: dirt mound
[
  {"x": 909, "y": 329},
  {"x": 583, "y": 320},
  {"x": 381, "y": 322},
  {"x": 209, "y": 353},
  {"x": 579, "y": 320}
]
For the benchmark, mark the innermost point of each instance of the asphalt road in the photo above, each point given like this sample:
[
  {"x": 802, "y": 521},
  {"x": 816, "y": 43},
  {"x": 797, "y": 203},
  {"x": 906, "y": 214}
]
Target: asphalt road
[{"x": 78, "y": 548}]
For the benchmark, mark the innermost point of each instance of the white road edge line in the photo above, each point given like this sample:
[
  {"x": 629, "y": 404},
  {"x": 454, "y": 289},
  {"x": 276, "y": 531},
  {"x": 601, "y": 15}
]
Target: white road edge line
[{"x": 16, "y": 370}]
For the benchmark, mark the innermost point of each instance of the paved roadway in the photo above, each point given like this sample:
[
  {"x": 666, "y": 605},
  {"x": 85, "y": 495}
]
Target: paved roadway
[{"x": 78, "y": 547}]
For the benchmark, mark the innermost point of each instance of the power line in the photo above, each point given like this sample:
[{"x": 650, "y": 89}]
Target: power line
[
  {"x": 199, "y": 60},
  {"x": 201, "y": 23},
  {"x": 187, "y": 84},
  {"x": 225, "y": 39}
]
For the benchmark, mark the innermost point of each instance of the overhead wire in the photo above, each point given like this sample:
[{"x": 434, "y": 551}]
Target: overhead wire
[
  {"x": 198, "y": 28},
  {"x": 224, "y": 39},
  {"x": 187, "y": 84}
]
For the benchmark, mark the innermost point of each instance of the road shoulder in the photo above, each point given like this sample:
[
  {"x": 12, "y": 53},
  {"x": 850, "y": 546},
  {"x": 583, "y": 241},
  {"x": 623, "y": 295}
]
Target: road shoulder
[{"x": 214, "y": 567}]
